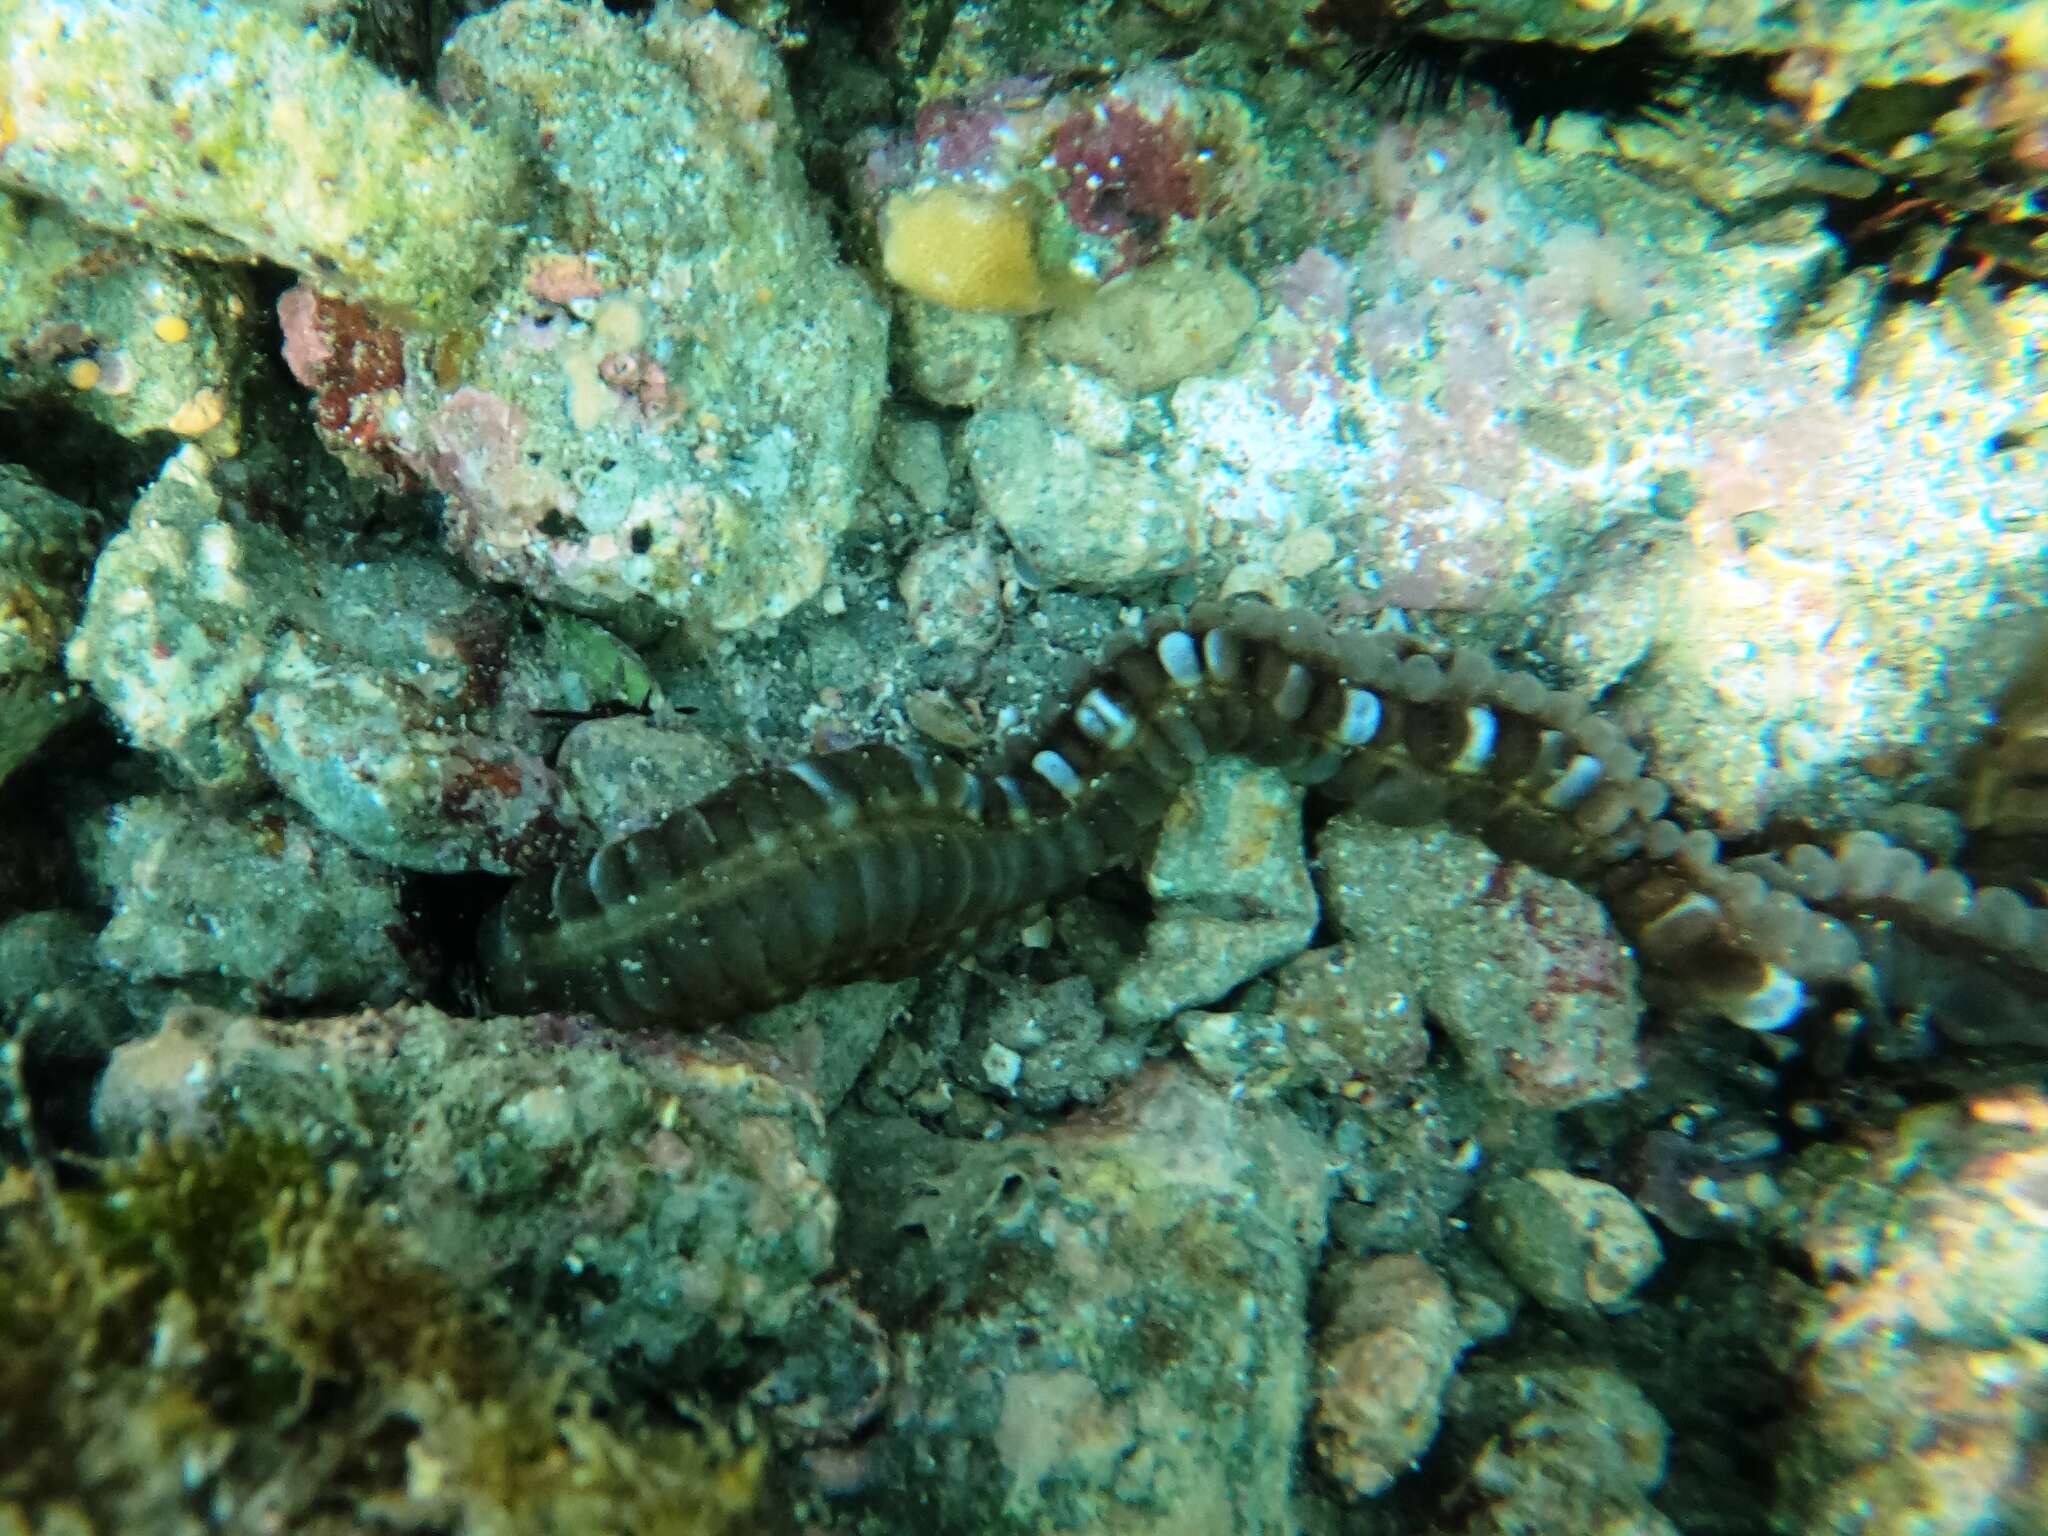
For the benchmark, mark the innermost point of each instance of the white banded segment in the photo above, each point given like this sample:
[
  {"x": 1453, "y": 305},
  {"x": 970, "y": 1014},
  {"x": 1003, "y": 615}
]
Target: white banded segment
[
  {"x": 1016, "y": 807},
  {"x": 1360, "y": 721},
  {"x": 1180, "y": 658},
  {"x": 1223, "y": 658},
  {"x": 1057, "y": 772},
  {"x": 1685, "y": 922},
  {"x": 1101, "y": 719},
  {"x": 1482, "y": 731},
  {"x": 1773, "y": 1004},
  {"x": 840, "y": 807},
  {"x": 1580, "y": 777}
]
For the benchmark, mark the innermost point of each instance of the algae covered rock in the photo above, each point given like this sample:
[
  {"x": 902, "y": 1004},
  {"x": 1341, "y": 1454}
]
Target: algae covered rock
[
  {"x": 1233, "y": 888},
  {"x": 1107, "y": 1318},
  {"x": 254, "y": 908},
  {"x": 233, "y": 130},
  {"x": 626, "y": 772},
  {"x": 1523, "y": 971},
  {"x": 46, "y": 545},
  {"x": 1153, "y": 327},
  {"x": 1332, "y": 1022},
  {"x": 385, "y": 768},
  {"x": 1010, "y": 200},
  {"x": 1081, "y": 515},
  {"x": 1569, "y": 1448},
  {"x": 654, "y": 1201},
  {"x": 672, "y": 400},
  {"x": 1383, "y": 1359},
  {"x": 1044, "y": 1047},
  {"x": 1574, "y": 1244},
  {"x": 951, "y": 356},
  {"x": 392, "y": 701},
  {"x": 1920, "y": 1346},
  {"x": 136, "y": 339},
  {"x": 216, "y": 1293},
  {"x": 177, "y": 622}
]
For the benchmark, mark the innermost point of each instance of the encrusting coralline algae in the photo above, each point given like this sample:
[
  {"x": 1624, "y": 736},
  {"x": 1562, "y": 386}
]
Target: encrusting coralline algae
[{"x": 642, "y": 401}]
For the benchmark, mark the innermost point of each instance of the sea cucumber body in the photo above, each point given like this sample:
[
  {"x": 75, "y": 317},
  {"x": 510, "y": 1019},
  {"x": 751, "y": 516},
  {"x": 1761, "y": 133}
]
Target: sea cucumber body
[{"x": 871, "y": 861}]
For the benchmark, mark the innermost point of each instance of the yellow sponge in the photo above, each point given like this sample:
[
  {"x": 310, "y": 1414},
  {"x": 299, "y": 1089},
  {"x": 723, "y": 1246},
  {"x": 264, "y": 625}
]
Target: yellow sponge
[{"x": 964, "y": 248}]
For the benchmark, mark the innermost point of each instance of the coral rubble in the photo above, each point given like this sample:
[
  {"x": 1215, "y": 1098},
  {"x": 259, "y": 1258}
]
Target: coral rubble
[
  {"x": 141, "y": 340},
  {"x": 670, "y": 399},
  {"x": 233, "y": 130},
  {"x": 654, "y": 1202},
  {"x": 1920, "y": 1344},
  {"x": 1106, "y": 1319},
  {"x": 442, "y": 442}
]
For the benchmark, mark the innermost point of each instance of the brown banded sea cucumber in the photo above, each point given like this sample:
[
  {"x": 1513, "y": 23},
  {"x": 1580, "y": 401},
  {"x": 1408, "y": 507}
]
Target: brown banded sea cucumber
[{"x": 871, "y": 861}]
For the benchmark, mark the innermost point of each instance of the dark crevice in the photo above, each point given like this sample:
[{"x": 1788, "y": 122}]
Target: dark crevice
[{"x": 83, "y": 459}]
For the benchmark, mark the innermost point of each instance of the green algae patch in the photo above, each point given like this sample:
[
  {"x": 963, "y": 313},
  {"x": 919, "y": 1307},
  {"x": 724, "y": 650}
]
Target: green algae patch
[{"x": 219, "y": 1338}]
